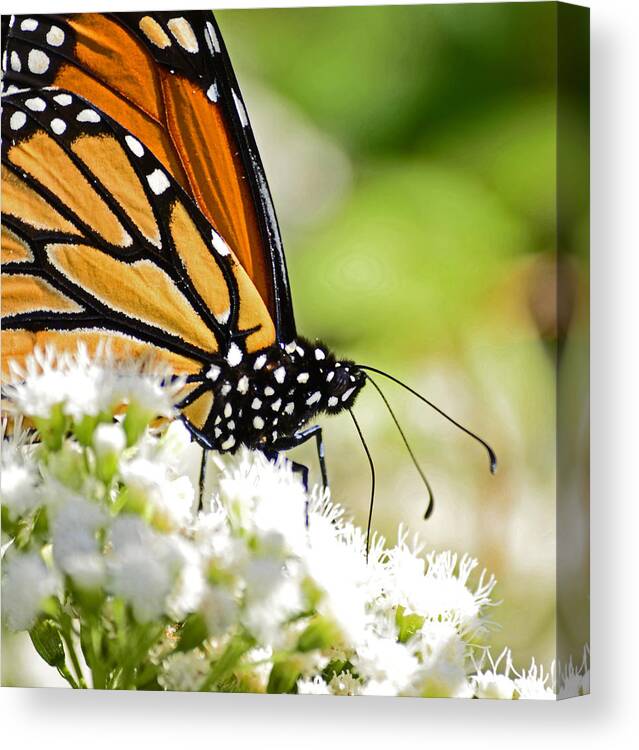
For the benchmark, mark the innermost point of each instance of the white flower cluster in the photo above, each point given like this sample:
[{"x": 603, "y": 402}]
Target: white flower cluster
[{"x": 252, "y": 584}]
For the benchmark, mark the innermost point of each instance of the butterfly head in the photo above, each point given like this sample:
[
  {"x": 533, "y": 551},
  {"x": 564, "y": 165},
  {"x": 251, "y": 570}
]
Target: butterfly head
[
  {"x": 310, "y": 380},
  {"x": 324, "y": 383}
]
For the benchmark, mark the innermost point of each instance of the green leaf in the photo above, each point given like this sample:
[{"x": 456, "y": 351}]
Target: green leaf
[
  {"x": 131, "y": 502},
  {"x": 192, "y": 633},
  {"x": 68, "y": 466},
  {"x": 222, "y": 668},
  {"x": 312, "y": 593},
  {"x": 135, "y": 423},
  {"x": 8, "y": 525},
  {"x": 335, "y": 667},
  {"x": 53, "y": 429},
  {"x": 407, "y": 624},
  {"x": 320, "y": 633},
  {"x": 84, "y": 429},
  {"x": 284, "y": 676},
  {"x": 89, "y": 599},
  {"x": 107, "y": 466}
]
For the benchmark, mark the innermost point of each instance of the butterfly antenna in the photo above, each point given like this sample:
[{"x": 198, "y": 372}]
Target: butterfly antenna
[
  {"x": 431, "y": 497},
  {"x": 491, "y": 452},
  {"x": 372, "y": 465}
]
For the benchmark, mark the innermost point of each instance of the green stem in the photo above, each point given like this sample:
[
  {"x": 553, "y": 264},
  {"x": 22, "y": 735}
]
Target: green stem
[
  {"x": 98, "y": 672},
  {"x": 68, "y": 640},
  {"x": 64, "y": 672},
  {"x": 90, "y": 640}
]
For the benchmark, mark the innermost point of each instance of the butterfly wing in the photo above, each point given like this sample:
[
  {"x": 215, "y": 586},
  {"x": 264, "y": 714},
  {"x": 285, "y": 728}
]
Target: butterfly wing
[
  {"x": 167, "y": 79},
  {"x": 99, "y": 241}
]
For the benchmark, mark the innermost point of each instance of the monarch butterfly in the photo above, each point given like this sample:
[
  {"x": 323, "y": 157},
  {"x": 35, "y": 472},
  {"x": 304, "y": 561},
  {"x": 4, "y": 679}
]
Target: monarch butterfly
[{"x": 136, "y": 210}]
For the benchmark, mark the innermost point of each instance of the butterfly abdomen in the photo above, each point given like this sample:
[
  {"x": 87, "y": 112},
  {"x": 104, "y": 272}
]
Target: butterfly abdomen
[{"x": 263, "y": 398}]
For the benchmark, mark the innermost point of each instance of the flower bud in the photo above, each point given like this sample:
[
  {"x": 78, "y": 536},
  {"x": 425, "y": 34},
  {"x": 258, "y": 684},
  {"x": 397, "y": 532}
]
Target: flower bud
[
  {"x": 109, "y": 438},
  {"x": 52, "y": 428},
  {"x": 136, "y": 421},
  {"x": 48, "y": 643},
  {"x": 109, "y": 441}
]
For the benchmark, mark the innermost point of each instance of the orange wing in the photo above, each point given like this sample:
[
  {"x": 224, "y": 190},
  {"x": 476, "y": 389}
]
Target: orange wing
[
  {"x": 99, "y": 242},
  {"x": 166, "y": 78}
]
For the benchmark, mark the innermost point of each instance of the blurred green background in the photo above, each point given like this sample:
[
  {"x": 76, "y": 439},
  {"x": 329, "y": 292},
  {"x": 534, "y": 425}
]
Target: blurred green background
[{"x": 411, "y": 153}]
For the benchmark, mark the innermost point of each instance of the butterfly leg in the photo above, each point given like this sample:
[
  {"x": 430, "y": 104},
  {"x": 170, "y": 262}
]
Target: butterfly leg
[
  {"x": 202, "y": 477},
  {"x": 284, "y": 444},
  {"x": 298, "y": 468}
]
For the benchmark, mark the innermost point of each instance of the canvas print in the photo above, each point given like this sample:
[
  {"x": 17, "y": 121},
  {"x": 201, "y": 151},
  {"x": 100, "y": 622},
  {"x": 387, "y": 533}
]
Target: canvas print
[{"x": 295, "y": 351}]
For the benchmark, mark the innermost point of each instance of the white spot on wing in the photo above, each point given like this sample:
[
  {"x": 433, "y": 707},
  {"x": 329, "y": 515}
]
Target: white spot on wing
[
  {"x": 63, "y": 99},
  {"x": 136, "y": 147},
  {"x": 260, "y": 362},
  {"x": 303, "y": 377},
  {"x": 289, "y": 408},
  {"x": 228, "y": 410},
  {"x": 223, "y": 316},
  {"x": 183, "y": 33},
  {"x": 313, "y": 398},
  {"x": 218, "y": 243},
  {"x": 17, "y": 120},
  {"x": 267, "y": 203},
  {"x": 158, "y": 181},
  {"x": 88, "y": 115},
  {"x": 55, "y": 36},
  {"x": 228, "y": 443},
  {"x": 210, "y": 36},
  {"x": 213, "y": 372},
  {"x": 234, "y": 356},
  {"x": 212, "y": 92},
  {"x": 276, "y": 404},
  {"x": 58, "y": 126},
  {"x": 38, "y": 61},
  {"x": 29, "y": 24},
  {"x": 16, "y": 65},
  {"x": 258, "y": 423},
  {"x": 243, "y": 384},
  {"x": 257, "y": 404},
  {"x": 332, "y": 401},
  {"x": 279, "y": 374},
  {"x": 240, "y": 110},
  {"x": 36, "y": 104},
  {"x": 319, "y": 354},
  {"x": 154, "y": 32}
]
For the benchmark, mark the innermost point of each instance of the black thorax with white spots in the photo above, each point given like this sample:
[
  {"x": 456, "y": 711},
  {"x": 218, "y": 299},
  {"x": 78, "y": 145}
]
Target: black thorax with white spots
[{"x": 263, "y": 398}]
